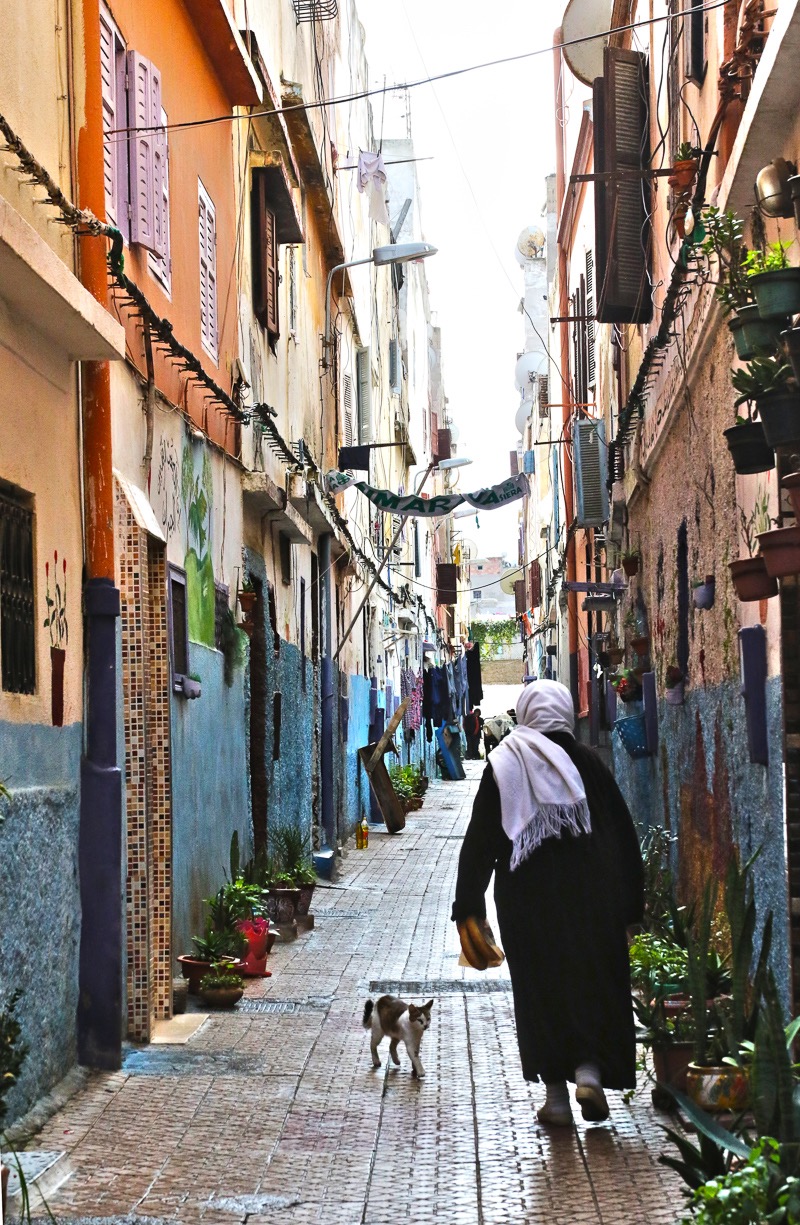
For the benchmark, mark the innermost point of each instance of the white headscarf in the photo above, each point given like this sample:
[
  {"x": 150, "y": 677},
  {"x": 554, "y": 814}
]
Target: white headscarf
[{"x": 541, "y": 792}]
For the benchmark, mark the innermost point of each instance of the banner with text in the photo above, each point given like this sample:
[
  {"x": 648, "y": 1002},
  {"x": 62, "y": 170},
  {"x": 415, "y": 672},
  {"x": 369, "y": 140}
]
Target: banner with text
[{"x": 435, "y": 507}]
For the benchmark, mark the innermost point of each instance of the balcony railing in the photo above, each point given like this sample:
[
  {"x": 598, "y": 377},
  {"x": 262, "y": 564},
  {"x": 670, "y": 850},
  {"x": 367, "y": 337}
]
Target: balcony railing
[{"x": 315, "y": 10}]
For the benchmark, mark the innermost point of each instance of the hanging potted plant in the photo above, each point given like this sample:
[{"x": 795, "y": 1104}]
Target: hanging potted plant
[
  {"x": 685, "y": 167},
  {"x": 247, "y": 597},
  {"x": 769, "y": 383},
  {"x": 703, "y": 591},
  {"x": 616, "y": 653},
  {"x": 791, "y": 483},
  {"x": 747, "y": 444},
  {"x": 749, "y": 574},
  {"x": 724, "y": 243},
  {"x": 780, "y": 548},
  {"x": 776, "y": 284},
  {"x": 630, "y": 562},
  {"x": 627, "y": 685},
  {"x": 674, "y": 683}
]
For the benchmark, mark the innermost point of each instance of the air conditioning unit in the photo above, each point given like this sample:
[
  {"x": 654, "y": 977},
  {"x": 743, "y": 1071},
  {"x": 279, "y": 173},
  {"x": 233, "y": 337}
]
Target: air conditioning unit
[{"x": 590, "y": 461}]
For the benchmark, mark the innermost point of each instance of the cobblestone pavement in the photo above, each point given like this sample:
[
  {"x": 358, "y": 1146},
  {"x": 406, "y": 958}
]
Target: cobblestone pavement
[{"x": 273, "y": 1114}]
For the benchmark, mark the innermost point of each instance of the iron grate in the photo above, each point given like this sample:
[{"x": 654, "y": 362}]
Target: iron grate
[
  {"x": 343, "y": 914},
  {"x": 439, "y": 986},
  {"x": 281, "y": 1006}
]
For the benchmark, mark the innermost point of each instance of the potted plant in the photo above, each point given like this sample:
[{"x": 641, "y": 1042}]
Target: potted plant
[
  {"x": 724, "y": 242},
  {"x": 247, "y": 597},
  {"x": 703, "y": 592},
  {"x": 780, "y": 548},
  {"x": 791, "y": 483},
  {"x": 776, "y": 284},
  {"x": 674, "y": 683},
  {"x": 627, "y": 685},
  {"x": 747, "y": 444},
  {"x": 616, "y": 654},
  {"x": 749, "y": 575},
  {"x": 685, "y": 167},
  {"x": 221, "y": 987},
  {"x": 769, "y": 383},
  {"x": 210, "y": 949},
  {"x": 293, "y": 853},
  {"x": 630, "y": 562}
]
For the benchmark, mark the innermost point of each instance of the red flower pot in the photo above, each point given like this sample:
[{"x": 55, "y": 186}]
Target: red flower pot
[
  {"x": 791, "y": 483},
  {"x": 259, "y": 941},
  {"x": 751, "y": 580},
  {"x": 780, "y": 549}
]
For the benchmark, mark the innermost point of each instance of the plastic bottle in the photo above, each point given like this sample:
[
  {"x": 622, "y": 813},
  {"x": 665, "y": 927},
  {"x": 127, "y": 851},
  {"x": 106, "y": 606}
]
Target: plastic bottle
[{"x": 364, "y": 834}]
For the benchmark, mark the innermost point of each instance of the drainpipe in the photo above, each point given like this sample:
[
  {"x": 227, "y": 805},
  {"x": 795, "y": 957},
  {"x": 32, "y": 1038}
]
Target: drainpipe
[
  {"x": 100, "y": 838},
  {"x": 566, "y": 397},
  {"x": 326, "y": 677}
]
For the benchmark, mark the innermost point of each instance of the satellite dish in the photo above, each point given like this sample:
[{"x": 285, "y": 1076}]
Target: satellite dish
[
  {"x": 509, "y": 579},
  {"x": 527, "y": 367},
  {"x": 469, "y": 550},
  {"x": 523, "y": 413},
  {"x": 582, "y": 19},
  {"x": 530, "y": 244}
]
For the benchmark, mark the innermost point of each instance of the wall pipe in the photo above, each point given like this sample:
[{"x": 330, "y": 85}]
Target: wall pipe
[
  {"x": 326, "y": 680},
  {"x": 100, "y": 1018}
]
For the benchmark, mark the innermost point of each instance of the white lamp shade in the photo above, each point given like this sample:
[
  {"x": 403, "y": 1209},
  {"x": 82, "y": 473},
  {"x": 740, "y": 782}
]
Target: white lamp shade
[{"x": 402, "y": 252}]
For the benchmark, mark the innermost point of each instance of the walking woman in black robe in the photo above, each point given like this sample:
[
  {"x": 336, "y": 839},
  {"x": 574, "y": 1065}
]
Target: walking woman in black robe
[{"x": 549, "y": 820}]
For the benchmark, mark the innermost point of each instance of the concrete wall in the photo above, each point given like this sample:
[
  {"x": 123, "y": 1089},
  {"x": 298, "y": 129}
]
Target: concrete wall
[
  {"x": 210, "y": 797},
  {"x": 39, "y": 899},
  {"x": 702, "y": 787}
]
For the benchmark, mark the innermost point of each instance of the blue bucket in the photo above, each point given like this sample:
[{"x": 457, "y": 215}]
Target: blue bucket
[{"x": 633, "y": 734}]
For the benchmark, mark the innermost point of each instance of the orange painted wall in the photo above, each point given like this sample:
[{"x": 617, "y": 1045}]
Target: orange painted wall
[{"x": 162, "y": 31}]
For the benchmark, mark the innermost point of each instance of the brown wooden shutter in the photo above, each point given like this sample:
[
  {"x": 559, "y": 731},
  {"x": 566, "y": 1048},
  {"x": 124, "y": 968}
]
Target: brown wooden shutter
[
  {"x": 446, "y": 583},
  {"x": 536, "y": 584},
  {"x": 519, "y": 596},
  {"x": 271, "y": 272},
  {"x": 444, "y": 444},
  {"x": 513, "y": 458},
  {"x": 258, "y": 230},
  {"x": 622, "y": 225}
]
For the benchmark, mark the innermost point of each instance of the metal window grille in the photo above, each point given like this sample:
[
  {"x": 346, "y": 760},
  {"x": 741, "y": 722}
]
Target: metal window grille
[
  {"x": 542, "y": 387},
  {"x": 315, "y": 10},
  {"x": 17, "y": 619}
]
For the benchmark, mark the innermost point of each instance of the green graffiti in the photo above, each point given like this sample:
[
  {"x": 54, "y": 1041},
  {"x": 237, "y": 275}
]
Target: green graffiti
[{"x": 198, "y": 493}]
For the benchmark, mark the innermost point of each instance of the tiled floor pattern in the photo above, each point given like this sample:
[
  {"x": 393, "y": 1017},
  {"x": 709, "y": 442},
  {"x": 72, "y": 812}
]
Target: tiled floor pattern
[{"x": 278, "y": 1117}]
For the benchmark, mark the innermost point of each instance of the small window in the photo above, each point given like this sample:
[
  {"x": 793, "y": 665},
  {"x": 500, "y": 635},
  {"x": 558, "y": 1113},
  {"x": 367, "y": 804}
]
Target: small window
[
  {"x": 17, "y": 614},
  {"x": 178, "y": 625},
  {"x": 208, "y": 271},
  {"x": 276, "y": 726},
  {"x": 477, "y": 595},
  {"x": 285, "y": 546},
  {"x": 266, "y": 273}
]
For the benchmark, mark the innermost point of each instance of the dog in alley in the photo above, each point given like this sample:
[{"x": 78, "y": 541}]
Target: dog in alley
[{"x": 398, "y": 1021}]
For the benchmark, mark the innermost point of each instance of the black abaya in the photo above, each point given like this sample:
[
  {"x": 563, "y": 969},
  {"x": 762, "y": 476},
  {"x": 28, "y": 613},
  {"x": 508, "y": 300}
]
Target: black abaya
[{"x": 562, "y": 915}]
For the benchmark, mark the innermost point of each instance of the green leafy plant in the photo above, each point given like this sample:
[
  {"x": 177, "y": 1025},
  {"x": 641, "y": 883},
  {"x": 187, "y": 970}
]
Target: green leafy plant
[
  {"x": 724, "y": 243},
  {"x": 772, "y": 259},
  {"x": 220, "y": 977},
  {"x": 757, "y": 521},
  {"x": 291, "y": 856},
  {"x": 233, "y": 644},
  {"x": 763, "y": 375},
  {"x": 658, "y": 884},
  {"x": 491, "y": 636},
  {"x": 657, "y": 963},
  {"x": 627, "y": 684},
  {"x": 754, "y": 1192},
  {"x": 687, "y": 152},
  {"x": 247, "y": 587},
  {"x": 216, "y": 946}
]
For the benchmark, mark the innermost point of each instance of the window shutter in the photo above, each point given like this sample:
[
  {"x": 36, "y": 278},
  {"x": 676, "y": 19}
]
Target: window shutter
[
  {"x": 591, "y": 376},
  {"x": 536, "y": 584},
  {"x": 271, "y": 271},
  {"x": 529, "y": 463},
  {"x": 519, "y": 597},
  {"x": 446, "y": 583},
  {"x": 144, "y": 111},
  {"x": 394, "y": 373},
  {"x": 695, "y": 36},
  {"x": 622, "y": 225},
  {"x": 590, "y": 461},
  {"x": 208, "y": 274},
  {"x": 258, "y": 229},
  {"x": 108, "y": 76},
  {"x": 364, "y": 395},
  {"x": 348, "y": 411},
  {"x": 514, "y": 462}
]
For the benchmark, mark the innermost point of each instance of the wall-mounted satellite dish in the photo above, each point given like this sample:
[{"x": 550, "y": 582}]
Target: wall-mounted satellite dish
[
  {"x": 469, "y": 550},
  {"x": 509, "y": 579},
  {"x": 530, "y": 244},
  {"x": 527, "y": 367},
  {"x": 523, "y": 413},
  {"x": 582, "y": 19}
]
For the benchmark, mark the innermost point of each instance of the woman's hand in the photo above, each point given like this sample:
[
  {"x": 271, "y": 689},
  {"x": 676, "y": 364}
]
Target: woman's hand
[{"x": 477, "y": 944}]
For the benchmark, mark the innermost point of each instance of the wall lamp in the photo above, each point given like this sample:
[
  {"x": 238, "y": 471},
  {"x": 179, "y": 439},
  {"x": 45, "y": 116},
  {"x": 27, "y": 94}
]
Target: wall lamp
[{"x": 395, "y": 253}]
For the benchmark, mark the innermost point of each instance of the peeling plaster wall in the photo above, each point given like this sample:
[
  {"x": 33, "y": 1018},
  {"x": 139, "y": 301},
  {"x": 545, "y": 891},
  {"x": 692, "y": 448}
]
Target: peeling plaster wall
[
  {"x": 40, "y": 912},
  {"x": 210, "y": 797},
  {"x": 701, "y": 786}
]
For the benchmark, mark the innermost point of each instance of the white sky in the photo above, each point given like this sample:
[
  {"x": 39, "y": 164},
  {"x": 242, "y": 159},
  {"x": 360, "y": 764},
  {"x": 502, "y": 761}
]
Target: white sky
[{"x": 490, "y": 134}]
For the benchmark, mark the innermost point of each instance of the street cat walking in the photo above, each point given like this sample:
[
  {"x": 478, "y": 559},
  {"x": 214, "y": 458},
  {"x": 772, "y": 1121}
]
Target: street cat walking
[{"x": 393, "y": 1018}]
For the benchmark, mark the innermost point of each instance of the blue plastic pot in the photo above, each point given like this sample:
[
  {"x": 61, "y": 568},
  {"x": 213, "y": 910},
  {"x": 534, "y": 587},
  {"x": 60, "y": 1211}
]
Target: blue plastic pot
[{"x": 633, "y": 734}]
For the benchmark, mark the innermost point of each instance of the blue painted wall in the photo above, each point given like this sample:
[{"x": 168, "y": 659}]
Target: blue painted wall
[
  {"x": 40, "y": 900},
  {"x": 210, "y": 794},
  {"x": 747, "y": 800}
]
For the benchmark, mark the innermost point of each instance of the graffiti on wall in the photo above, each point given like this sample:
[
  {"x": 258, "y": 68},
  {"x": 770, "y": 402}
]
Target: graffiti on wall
[
  {"x": 197, "y": 495},
  {"x": 56, "y": 622},
  {"x": 168, "y": 487}
]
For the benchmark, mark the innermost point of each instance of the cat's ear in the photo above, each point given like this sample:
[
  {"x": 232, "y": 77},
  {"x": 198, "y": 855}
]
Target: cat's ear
[
  {"x": 427, "y": 1007},
  {"x": 413, "y": 1012}
]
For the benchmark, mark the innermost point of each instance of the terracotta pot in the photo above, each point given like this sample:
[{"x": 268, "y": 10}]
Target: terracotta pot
[
  {"x": 751, "y": 580},
  {"x": 306, "y": 894},
  {"x": 57, "y": 657},
  {"x": 247, "y": 602},
  {"x": 791, "y": 483},
  {"x": 749, "y": 448},
  {"x": 718, "y": 1088},
  {"x": 641, "y": 645},
  {"x": 615, "y": 656},
  {"x": 221, "y": 997},
  {"x": 683, "y": 174},
  {"x": 194, "y": 968},
  {"x": 780, "y": 549},
  {"x": 671, "y": 1063},
  {"x": 630, "y": 565}
]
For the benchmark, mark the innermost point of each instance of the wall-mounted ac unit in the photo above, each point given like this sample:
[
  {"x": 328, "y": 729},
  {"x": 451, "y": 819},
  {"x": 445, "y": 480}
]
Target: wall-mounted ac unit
[{"x": 590, "y": 460}]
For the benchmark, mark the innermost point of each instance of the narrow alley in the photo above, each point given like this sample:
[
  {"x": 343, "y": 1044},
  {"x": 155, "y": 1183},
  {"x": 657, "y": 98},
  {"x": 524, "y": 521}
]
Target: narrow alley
[{"x": 273, "y": 1113}]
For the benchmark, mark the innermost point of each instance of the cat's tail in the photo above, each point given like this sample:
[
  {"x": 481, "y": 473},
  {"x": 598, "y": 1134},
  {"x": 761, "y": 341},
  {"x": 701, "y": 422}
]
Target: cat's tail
[{"x": 366, "y": 1020}]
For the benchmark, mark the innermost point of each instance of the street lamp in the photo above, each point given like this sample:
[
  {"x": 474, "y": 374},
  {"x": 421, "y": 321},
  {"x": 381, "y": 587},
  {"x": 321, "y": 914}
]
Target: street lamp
[{"x": 394, "y": 253}]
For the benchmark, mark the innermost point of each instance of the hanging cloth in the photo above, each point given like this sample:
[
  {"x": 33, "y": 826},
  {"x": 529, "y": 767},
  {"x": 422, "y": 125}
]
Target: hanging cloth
[
  {"x": 474, "y": 675},
  {"x": 372, "y": 180}
]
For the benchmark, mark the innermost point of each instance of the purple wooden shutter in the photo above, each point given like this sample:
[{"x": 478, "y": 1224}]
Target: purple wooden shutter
[
  {"x": 208, "y": 274},
  {"x": 144, "y": 112},
  {"x": 108, "y": 75}
]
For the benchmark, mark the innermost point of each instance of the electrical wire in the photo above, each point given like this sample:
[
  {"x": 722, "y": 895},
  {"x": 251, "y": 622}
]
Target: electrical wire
[{"x": 124, "y": 132}]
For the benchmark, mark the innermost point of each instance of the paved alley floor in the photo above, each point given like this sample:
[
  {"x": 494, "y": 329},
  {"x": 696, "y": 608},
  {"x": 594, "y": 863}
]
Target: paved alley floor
[{"x": 273, "y": 1114}]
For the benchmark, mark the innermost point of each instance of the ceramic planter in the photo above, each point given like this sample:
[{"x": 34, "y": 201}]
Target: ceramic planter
[
  {"x": 671, "y": 1063},
  {"x": 791, "y": 483},
  {"x": 630, "y": 565},
  {"x": 752, "y": 334},
  {"x": 780, "y": 549},
  {"x": 194, "y": 968},
  {"x": 282, "y": 905},
  {"x": 259, "y": 944},
  {"x": 641, "y": 644},
  {"x": 221, "y": 997},
  {"x": 777, "y": 292},
  {"x": 306, "y": 894},
  {"x": 703, "y": 594},
  {"x": 683, "y": 174},
  {"x": 674, "y": 695},
  {"x": 718, "y": 1088},
  {"x": 749, "y": 449},
  {"x": 780, "y": 416},
  {"x": 751, "y": 580},
  {"x": 791, "y": 343}
]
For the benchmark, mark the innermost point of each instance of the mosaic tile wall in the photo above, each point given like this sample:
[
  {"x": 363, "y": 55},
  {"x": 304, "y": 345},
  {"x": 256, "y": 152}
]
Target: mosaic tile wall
[{"x": 145, "y": 683}]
